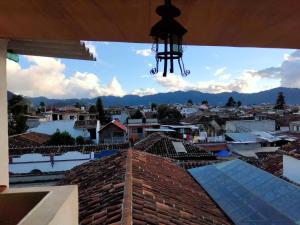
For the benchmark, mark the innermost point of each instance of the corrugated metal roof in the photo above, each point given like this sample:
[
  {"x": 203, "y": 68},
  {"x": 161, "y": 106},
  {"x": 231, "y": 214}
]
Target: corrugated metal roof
[{"x": 242, "y": 137}]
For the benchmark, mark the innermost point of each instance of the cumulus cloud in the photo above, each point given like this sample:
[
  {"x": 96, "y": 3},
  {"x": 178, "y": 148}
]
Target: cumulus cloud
[
  {"x": 144, "y": 52},
  {"x": 144, "y": 91},
  {"x": 248, "y": 81},
  {"x": 288, "y": 73},
  {"x": 46, "y": 77},
  {"x": 221, "y": 74}
]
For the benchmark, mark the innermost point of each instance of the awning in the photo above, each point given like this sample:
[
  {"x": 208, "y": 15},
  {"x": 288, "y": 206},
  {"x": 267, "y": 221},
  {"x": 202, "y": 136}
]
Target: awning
[
  {"x": 251, "y": 23},
  {"x": 59, "y": 49}
]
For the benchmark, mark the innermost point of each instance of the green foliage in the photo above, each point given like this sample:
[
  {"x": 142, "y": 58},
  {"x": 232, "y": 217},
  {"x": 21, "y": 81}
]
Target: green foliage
[
  {"x": 100, "y": 110},
  {"x": 239, "y": 104},
  {"x": 230, "y": 102},
  {"x": 42, "y": 107},
  {"x": 190, "y": 102},
  {"x": 80, "y": 140},
  {"x": 204, "y": 102},
  {"x": 61, "y": 138},
  {"x": 137, "y": 115},
  {"x": 167, "y": 114},
  {"x": 153, "y": 106},
  {"x": 280, "y": 102},
  {"x": 77, "y": 105},
  {"x": 17, "y": 108},
  {"x": 92, "y": 109}
]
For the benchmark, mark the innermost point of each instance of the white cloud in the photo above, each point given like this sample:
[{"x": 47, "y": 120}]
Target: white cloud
[
  {"x": 285, "y": 75},
  {"x": 46, "y": 77},
  {"x": 288, "y": 73},
  {"x": 92, "y": 48},
  {"x": 220, "y": 71},
  {"x": 249, "y": 81},
  {"x": 221, "y": 74},
  {"x": 207, "y": 68},
  {"x": 144, "y": 91},
  {"x": 144, "y": 52}
]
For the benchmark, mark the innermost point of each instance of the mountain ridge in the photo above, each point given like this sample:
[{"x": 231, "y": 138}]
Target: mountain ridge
[{"x": 292, "y": 96}]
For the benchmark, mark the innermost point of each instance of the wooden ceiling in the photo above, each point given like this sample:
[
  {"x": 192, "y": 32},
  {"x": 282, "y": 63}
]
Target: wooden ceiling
[{"x": 250, "y": 23}]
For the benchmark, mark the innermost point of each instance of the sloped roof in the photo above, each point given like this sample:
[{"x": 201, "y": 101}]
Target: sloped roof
[
  {"x": 116, "y": 123},
  {"x": 292, "y": 149},
  {"x": 135, "y": 187},
  {"x": 242, "y": 137},
  {"x": 57, "y": 150},
  {"x": 250, "y": 195},
  {"x": 28, "y": 139},
  {"x": 161, "y": 144}
]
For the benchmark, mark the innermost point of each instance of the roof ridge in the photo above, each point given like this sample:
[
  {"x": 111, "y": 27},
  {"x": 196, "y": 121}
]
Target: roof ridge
[{"x": 127, "y": 199}]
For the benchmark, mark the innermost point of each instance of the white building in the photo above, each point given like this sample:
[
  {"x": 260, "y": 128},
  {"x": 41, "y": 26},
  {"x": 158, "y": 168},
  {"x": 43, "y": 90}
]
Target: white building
[
  {"x": 237, "y": 126},
  {"x": 291, "y": 168}
]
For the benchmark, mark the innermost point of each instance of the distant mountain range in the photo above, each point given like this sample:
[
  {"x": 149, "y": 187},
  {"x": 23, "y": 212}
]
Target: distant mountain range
[{"x": 292, "y": 96}]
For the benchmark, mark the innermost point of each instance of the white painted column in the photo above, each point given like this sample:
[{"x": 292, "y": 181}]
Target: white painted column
[{"x": 4, "y": 178}]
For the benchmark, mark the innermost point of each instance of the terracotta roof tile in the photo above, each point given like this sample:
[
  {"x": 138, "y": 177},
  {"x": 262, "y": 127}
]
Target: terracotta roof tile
[
  {"x": 57, "y": 150},
  {"x": 28, "y": 140},
  {"x": 135, "y": 187},
  {"x": 161, "y": 144}
]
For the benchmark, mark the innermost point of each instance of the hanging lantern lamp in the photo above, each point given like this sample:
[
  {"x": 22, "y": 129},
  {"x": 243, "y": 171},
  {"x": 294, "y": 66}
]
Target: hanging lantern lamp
[{"x": 167, "y": 33}]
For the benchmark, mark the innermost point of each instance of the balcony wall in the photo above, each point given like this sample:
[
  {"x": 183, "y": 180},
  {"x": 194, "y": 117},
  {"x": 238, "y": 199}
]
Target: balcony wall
[{"x": 40, "y": 206}]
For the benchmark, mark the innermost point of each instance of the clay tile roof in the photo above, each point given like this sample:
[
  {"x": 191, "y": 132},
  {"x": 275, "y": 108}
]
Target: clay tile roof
[
  {"x": 292, "y": 149},
  {"x": 161, "y": 144},
  {"x": 135, "y": 187},
  {"x": 58, "y": 150},
  {"x": 116, "y": 123},
  {"x": 120, "y": 125},
  {"x": 214, "y": 147},
  {"x": 28, "y": 139}
]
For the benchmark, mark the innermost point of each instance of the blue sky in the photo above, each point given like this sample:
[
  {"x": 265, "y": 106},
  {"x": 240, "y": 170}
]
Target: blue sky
[{"x": 123, "y": 68}]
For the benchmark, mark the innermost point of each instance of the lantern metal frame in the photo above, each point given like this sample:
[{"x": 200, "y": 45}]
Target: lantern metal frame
[{"x": 169, "y": 33}]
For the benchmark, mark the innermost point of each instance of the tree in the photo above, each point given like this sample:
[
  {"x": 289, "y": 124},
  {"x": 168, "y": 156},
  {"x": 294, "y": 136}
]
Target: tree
[
  {"x": 153, "y": 106},
  {"x": 80, "y": 140},
  {"x": 239, "y": 104},
  {"x": 190, "y": 102},
  {"x": 17, "y": 108},
  {"x": 42, "y": 106},
  {"x": 204, "y": 102},
  {"x": 100, "y": 110},
  {"x": 77, "y": 105},
  {"x": 280, "y": 102},
  {"x": 92, "y": 109},
  {"x": 137, "y": 115},
  {"x": 61, "y": 138},
  {"x": 167, "y": 114},
  {"x": 230, "y": 102}
]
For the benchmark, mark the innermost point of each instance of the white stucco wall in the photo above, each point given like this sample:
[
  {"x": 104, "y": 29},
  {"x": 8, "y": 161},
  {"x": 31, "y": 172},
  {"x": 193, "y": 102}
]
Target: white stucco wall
[
  {"x": 249, "y": 125},
  {"x": 28, "y": 162},
  {"x": 291, "y": 168}
]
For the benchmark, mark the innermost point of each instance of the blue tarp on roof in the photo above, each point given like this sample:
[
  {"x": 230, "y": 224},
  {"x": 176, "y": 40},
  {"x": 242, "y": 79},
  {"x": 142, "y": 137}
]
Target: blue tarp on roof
[
  {"x": 223, "y": 153},
  {"x": 248, "y": 195},
  {"x": 105, "y": 153}
]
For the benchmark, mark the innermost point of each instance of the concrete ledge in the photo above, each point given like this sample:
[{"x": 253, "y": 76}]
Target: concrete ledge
[{"x": 58, "y": 205}]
